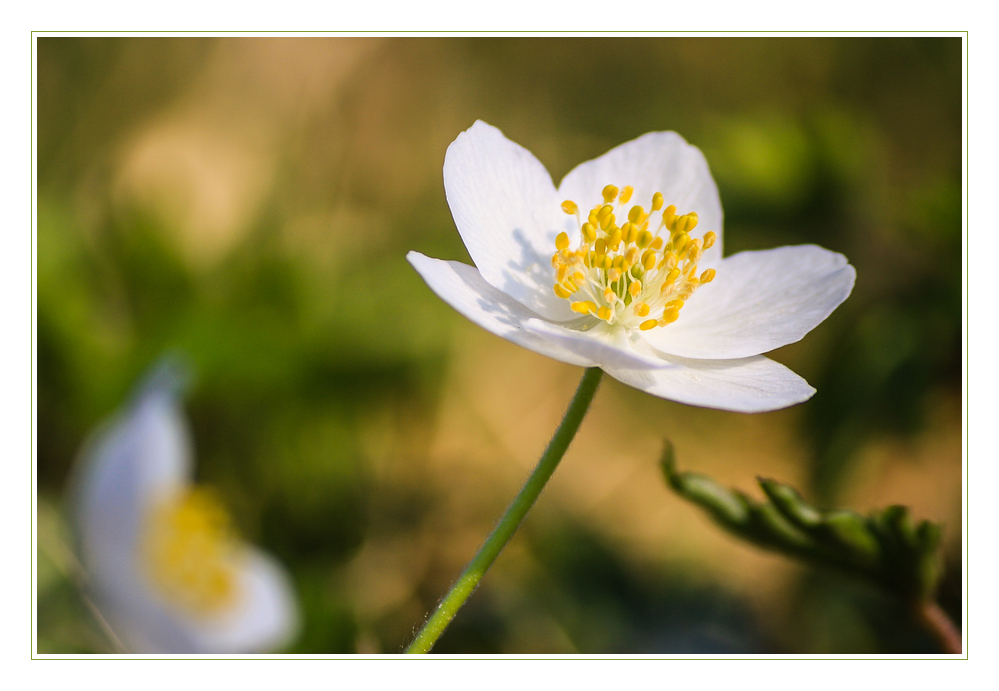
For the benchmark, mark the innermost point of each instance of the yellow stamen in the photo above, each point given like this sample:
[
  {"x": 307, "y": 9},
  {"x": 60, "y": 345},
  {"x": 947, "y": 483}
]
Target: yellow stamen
[
  {"x": 627, "y": 263},
  {"x": 670, "y": 315},
  {"x": 190, "y": 554}
]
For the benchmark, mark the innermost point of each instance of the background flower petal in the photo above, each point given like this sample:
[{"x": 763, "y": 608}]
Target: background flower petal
[
  {"x": 462, "y": 287},
  {"x": 758, "y": 301},
  {"x": 265, "y": 618},
  {"x": 655, "y": 162},
  {"x": 508, "y": 213},
  {"x": 135, "y": 460},
  {"x": 748, "y": 385}
]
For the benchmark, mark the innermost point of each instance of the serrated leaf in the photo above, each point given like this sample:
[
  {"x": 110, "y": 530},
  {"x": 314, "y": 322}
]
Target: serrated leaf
[{"x": 885, "y": 548}]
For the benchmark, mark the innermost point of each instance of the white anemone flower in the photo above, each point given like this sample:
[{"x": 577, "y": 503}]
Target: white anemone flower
[
  {"x": 606, "y": 271},
  {"x": 161, "y": 564}
]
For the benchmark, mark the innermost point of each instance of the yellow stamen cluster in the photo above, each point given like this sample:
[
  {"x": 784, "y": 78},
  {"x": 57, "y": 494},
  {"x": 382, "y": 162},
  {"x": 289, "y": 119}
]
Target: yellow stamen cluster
[
  {"x": 629, "y": 274},
  {"x": 190, "y": 554}
]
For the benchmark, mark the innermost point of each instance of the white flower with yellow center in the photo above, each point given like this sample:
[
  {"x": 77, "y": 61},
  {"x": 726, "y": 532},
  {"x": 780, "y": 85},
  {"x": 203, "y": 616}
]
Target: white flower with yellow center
[
  {"x": 621, "y": 268},
  {"x": 161, "y": 564}
]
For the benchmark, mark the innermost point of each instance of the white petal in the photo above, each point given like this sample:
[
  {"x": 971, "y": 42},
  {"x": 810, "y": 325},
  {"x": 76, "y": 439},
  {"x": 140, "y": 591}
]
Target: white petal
[
  {"x": 463, "y": 288},
  {"x": 265, "y": 617},
  {"x": 758, "y": 301},
  {"x": 748, "y": 385},
  {"x": 508, "y": 214},
  {"x": 655, "y": 162},
  {"x": 139, "y": 457}
]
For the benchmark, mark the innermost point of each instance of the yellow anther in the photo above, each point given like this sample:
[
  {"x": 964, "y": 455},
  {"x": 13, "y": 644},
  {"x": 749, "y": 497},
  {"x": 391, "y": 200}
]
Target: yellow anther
[
  {"x": 607, "y": 222},
  {"x": 608, "y": 262},
  {"x": 674, "y": 304},
  {"x": 669, "y": 216},
  {"x": 570, "y": 207},
  {"x": 635, "y": 288},
  {"x": 579, "y": 278},
  {"x": 570, "y": 285},
  {"x": 643, "y": 239},
  {"x": 615, "y": 239},
  {"x": 672, "y": 276},
  {"x": 637, "y": 214},
  {"x": 609, "y": 193},
  {"x": 626, "y": 194},
  {"x": 657, "y": 201},
  {"x": 560, "y": 291},
  {"x": 708, "y": 276},
  {"x": 618, "y": 262},
  {"x": 604, "y": 313},
  {"x": 649, "y": 260},
  {"x": 638, "y": 271},
  {"x": 561, "y": 240},
  {"x": 561, "y": 272},
  {"x": 641, "y": 309},
  {"x": 589, "y": 232},
  {"x": 588, "y": 260},
  {"x": 686, "y": 223},
  {"x": 604, "y": 211},
  {"x": 670, "y": 315},
  {"x": 709, "y": 239},
  {"x": 609, "y": 295},
  {"x": 694, "y": 251},
  {"x": 631, "y": 256},
  {"x": 613, "y": 274},
  {"x": 600, "y": 246},
  {"x": 556, "y": 260},
  {"x": 629, "y": 231},
  {"x": 648, "y": 324},
  {"x": 680, "y": 241},
  {"x": 583, "y": 307},
  {"x": 657, "y": 244}
]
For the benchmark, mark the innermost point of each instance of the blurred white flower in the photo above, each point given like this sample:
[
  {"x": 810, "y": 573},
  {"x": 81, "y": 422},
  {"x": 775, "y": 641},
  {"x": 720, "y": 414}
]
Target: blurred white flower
[
  {"x": 576, "y": 274},
  {"x": 161, "y": 564}
]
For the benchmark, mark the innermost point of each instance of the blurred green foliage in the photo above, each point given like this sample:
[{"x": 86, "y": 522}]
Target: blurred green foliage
[{"x": 249, "y": 203}]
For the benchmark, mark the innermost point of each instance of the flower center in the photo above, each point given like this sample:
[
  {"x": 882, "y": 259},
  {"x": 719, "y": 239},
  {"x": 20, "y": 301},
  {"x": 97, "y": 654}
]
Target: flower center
[
  {"x": 191, "y": 554},
  {"x": 628, "y": 274}
]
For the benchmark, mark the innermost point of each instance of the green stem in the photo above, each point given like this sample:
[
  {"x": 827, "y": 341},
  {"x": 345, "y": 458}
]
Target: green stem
[{"x": 469, "y": 579}]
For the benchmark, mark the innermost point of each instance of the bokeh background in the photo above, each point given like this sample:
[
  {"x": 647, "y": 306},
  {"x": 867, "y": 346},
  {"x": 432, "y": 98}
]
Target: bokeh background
[{"x": 249, "y": 203}]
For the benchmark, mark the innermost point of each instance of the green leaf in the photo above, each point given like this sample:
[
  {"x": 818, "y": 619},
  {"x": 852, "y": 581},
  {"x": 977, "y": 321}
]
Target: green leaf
[{"x": 885, "y": 547}]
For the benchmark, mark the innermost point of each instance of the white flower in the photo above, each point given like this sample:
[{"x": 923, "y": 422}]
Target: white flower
[
  {"x": 161, "y": 566},
  {"x": 603, "y": 272}
]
